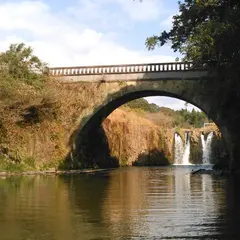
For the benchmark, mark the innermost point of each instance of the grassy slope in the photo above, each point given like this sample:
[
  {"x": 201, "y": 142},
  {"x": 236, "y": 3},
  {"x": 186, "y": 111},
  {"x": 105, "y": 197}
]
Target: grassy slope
[{"x": 36, "y": 123}]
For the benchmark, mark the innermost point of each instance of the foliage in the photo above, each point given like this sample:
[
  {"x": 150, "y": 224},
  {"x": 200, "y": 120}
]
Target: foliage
[
  {"x": 209, "y": 31},
  {"x": 20, "y": 63},
  {"x": 194, "y": 118},
  {"x": 182, "y": 118},
  {"x": 8, "y": 165},
  {"x": 204, "y": 30},
  {"x": 143, "y": 105},
  {"x": 19, "y": 66}
]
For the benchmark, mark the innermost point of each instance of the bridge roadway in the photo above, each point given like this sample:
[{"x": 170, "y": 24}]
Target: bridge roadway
[{"x": 131, "y": 72}]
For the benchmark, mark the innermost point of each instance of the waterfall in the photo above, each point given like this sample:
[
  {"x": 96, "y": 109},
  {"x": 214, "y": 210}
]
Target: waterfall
[
  {"x": 181, "y": 150},
  {"x": 187, "y": 149},
  {"x": 206, "y": 148},
  {"x": 178, "y": 149}
]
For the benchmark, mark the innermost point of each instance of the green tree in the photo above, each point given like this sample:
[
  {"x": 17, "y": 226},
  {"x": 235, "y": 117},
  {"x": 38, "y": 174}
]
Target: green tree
[
  {"x": 19, "y": 63},
  {"x": 204, "y": 30},
  {"x": 194, "y": 118},
  {"x": 143, "y": 104},
  {"x": 209, "y": 31}
]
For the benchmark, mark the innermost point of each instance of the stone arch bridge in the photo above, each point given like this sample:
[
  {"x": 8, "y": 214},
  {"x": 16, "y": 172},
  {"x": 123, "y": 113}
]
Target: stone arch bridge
[{"x": 123, "y": 83}]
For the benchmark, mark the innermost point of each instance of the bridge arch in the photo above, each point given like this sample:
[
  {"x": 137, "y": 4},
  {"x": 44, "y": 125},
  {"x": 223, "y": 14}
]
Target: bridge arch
[
  {"x": 118, "y": 94},
  {"x": 121, "y": 83},
  {"x": 103, "y": 111}
]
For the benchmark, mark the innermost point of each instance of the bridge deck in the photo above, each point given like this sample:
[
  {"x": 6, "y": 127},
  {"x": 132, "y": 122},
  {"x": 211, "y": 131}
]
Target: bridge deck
[{"x": 127, "y": 69}]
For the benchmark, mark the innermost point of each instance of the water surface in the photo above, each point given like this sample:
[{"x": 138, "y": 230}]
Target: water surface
[{"x": 127, "y": 203}]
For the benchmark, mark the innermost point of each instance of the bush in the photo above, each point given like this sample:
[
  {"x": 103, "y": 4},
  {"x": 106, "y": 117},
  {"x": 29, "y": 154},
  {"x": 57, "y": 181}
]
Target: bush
[
  {"x": 19, "y": 67},
  {"x": 193, "y": 118},
  {"x": 144, "y": 105}
]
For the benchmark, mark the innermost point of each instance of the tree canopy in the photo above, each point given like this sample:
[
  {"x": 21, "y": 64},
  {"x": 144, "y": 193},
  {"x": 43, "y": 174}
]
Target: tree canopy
[
  {"x": 143, "y": 104},
  {"x": 19, "y": 63},
  {"x": 182, "y": 118},
  {"x": 19, "y": 67},
  {"x": 193, "y": 118},
  {"x": 204, "y": 30}
]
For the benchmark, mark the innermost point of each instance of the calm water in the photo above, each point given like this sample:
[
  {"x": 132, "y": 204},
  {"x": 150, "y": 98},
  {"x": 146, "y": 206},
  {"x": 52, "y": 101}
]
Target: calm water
[{"x": 128, "y": 203}]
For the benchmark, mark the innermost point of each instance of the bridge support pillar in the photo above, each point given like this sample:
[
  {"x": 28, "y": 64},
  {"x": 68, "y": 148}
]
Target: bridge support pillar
[{"x": 234, "y": 158}]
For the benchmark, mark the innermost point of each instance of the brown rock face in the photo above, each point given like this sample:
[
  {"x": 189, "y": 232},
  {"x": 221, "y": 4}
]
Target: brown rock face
[{"x": 137, "y": 141}]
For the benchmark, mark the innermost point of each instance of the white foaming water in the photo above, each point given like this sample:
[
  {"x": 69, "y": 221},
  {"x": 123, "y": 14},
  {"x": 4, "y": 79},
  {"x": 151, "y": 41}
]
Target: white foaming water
[
  {"x": 178, "y": 149},
  {"x": 182, "y": 151},
  {"x": 206, "y": 148},
  {"x": 187, "y": 149}
]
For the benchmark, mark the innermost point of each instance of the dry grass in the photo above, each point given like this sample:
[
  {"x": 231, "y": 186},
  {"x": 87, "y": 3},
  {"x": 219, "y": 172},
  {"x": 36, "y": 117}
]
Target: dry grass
[
  {"x": 37, "y": 123},
  {"x": 130, "y": 136}
]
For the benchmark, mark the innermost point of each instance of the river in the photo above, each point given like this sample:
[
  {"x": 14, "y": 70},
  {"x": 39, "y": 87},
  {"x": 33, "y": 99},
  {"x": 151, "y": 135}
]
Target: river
[{"x": 126, "y": 203}]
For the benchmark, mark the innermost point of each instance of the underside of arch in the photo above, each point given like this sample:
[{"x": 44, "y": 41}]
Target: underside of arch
[
  {"x": 103, "y": 111},
  {"x": 90, "y": 123}
]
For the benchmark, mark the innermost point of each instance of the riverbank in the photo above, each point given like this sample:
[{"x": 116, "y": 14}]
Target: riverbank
[{"x": 54, "y": 172}]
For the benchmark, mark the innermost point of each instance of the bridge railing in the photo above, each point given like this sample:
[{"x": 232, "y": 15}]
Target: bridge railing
[{"x": 125, "y": 69}]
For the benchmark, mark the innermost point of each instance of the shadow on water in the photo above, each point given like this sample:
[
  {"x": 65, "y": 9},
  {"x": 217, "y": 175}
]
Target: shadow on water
[
  {"x": 86, "y": 193},
  {"x": 49, "y": 207},
  {"x": 232, "y": 214}
]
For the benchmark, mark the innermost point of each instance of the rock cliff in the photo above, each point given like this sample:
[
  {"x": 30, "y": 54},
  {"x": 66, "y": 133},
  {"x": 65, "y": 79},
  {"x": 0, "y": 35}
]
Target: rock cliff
[{"x": 135, "y": 140}]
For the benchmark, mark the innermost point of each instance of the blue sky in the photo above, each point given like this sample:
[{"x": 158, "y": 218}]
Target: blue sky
[{"x": 88, "y": 32}]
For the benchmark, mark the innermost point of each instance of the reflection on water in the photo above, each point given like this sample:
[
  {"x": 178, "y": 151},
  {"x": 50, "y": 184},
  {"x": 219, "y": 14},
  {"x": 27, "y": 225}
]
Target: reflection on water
[{"x": 127, "y": 203}]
